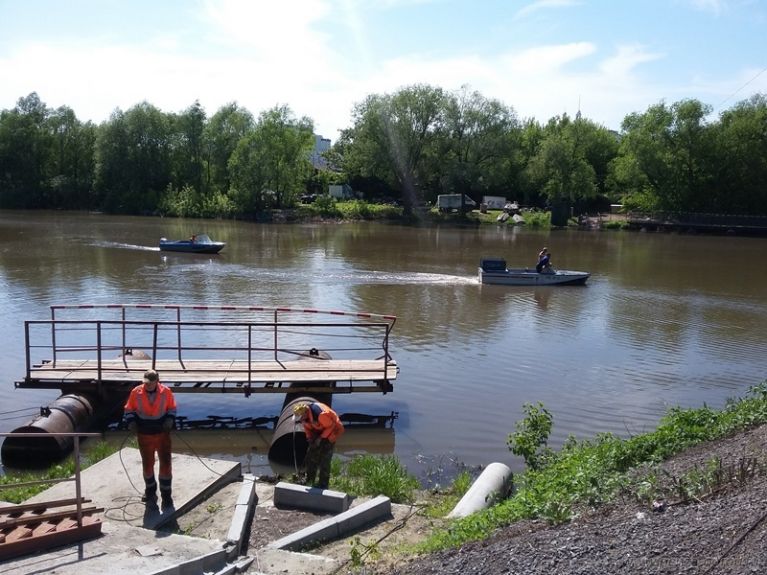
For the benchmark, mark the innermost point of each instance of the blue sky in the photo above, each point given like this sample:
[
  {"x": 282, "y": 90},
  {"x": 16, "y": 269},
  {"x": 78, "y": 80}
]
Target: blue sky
[{"x": 320, "y": 57}]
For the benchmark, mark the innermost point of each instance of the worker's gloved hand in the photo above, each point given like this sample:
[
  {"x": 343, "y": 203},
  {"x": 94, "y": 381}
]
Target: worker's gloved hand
[
  {"x": 132, "y": 426},
  {"x": 168, "y": 423}
]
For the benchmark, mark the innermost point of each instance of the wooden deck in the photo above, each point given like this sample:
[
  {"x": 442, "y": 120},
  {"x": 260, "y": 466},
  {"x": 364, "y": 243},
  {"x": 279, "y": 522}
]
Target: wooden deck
[
  {"x": 199, "y": 376},
  {"x": 202, "y": 349}
]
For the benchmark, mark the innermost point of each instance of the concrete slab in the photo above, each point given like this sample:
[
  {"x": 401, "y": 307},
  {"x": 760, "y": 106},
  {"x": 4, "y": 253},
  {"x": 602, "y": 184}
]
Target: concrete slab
[
  {"x": 125, "y": 546},
  {"x": 279, "y": 561},
  {"x": 121, "y": 550},
  {"x": 294, "y": 496},
  {"x": 116, "y": 484}
]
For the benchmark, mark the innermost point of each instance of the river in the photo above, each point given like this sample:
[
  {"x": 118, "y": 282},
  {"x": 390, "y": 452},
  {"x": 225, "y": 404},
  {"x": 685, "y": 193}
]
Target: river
[{"x": 664, "y": 320}]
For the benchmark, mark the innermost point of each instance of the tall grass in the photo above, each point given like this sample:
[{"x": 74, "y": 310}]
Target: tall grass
[{"x": 374, "y": 475}]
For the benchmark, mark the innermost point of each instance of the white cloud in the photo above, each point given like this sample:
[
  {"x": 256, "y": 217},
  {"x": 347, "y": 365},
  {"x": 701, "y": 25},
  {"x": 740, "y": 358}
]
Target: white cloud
[
  {"x": 539, "y": 5},
  {"x": 545, "y": 59},
  {"x": 713, "y": 6},
  {"x": 627, "y": 58}
]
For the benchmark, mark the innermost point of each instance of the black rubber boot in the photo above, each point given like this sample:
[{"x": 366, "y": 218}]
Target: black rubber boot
[
  {"x": 166, "y": 492},
  {"x": 150, "y": 490}
]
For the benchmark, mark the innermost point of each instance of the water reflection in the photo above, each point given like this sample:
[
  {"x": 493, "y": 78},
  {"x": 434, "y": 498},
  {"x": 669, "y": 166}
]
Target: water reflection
[{"x": 656, "y": 325}]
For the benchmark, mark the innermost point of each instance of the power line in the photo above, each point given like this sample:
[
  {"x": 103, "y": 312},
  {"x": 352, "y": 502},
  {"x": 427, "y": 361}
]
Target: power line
[{"x": 743, "y": 86}]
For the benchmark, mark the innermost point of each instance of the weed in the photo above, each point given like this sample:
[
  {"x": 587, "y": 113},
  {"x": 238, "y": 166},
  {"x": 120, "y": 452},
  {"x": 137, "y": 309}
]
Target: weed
[
  {"x": 374, "y": 475},
  {"x": 361, "y": 551},
  {"x": 531, "y": 436}
]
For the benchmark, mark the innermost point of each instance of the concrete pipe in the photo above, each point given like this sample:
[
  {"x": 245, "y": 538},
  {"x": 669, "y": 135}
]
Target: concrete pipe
[
  {"x": 67, "y": 414},
  {"x": 288, "y": 446},
  {"x": 492, "y": 485}
]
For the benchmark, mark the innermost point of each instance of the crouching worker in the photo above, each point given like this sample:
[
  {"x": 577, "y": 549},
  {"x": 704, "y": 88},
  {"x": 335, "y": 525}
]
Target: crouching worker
[
  {"x": 322, "y": 428},
  {"x": 151, "y": 413}
]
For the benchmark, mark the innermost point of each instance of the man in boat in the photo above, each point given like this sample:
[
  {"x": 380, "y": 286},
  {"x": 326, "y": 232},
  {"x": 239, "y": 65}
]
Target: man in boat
[
  {"x": 322, "y": 428},
  {"x": 151, "y": 412},
  {"x": 544, "y": 258}
]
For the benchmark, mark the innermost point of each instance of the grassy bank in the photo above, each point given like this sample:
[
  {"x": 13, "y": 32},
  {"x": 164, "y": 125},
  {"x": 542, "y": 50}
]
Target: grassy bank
[
  {"x": 588, "y": 473},
  {"x": 66, "y": 468}
]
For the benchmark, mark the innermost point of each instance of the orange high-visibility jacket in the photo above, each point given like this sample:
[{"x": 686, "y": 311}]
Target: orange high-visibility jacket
[
  {"x": 321, "y": 421},
  {"x": 149, "y": 414}
]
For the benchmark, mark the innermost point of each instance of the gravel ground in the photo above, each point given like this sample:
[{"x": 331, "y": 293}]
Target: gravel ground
[{"x": 721, "y": 533}]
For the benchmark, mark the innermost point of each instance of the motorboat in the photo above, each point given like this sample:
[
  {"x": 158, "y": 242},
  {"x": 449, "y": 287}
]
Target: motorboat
[
  {"x": 494, "y": 271},
  {"x": 197, "y": 244}
]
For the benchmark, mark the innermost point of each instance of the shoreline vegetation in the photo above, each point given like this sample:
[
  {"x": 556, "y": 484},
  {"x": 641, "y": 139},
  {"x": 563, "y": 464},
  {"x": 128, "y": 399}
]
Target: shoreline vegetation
[
  {"x": 406, "y": 148},
  {"x": 556, "y": 487}
]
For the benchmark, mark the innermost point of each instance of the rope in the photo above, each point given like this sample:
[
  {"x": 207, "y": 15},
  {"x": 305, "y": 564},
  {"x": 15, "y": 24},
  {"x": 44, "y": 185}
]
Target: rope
[
  {"x": 17, "y": 410},
  {"x": 371, "y": 546},
  {"x": 175, "y": 433},
  {"x": 295, "y": 457}
]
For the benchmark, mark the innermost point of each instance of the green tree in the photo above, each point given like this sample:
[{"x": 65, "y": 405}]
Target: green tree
[
  {"x": 664, "y": 157},
  {"x": 188, "y": 147},
  {"x": 477, "y": 150},
  {"x": 223, "y": 132},
  {"x": 25, "y": 152},
  {"x": 72, "y": 160},
  {"x": 133, "y": 164},
  {"x": 560, "y": 167},
  {"x": 270, "y": 166},
  {"x": 392, "y": 136},
  {"x": 741, "y": 159}
]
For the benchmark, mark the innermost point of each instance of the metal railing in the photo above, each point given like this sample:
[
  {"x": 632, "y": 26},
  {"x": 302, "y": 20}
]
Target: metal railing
[{"x": 78, "y": 489}]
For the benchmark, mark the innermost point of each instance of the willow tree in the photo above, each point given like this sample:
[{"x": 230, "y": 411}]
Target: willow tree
[
  {"x": 665, "y": 157},
  {"x": 390, "y": 138},
  {"x": 270, "y": 166}
]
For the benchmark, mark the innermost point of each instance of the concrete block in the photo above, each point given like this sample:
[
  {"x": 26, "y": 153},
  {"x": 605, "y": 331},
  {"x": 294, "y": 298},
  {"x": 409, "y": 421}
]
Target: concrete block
[
  {"x": 310, "y": 498},
  {"x": 364, "y": 514},
  {"x": 204, "y": 563},
  {"x": 243, "y": 512},
  {"x": 335, "y": 527},
  {"x": 247, "y": 491}
]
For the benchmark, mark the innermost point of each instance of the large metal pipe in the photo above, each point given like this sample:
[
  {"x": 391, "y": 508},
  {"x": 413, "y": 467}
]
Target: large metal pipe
[
  {"x": 288, "y": 446},
  {"x": 67, "y": 414}
]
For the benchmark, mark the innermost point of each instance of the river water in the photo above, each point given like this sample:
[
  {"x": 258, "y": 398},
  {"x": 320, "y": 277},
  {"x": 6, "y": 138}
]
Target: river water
[{"x": 664, "y": 320}]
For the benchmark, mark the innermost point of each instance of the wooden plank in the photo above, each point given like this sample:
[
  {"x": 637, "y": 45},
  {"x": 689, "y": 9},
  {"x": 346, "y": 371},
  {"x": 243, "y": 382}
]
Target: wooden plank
[
  {"x": 14, "y": 547},
  {"x": 11, "y": 509},
  {"x": 47, "y": 517},
  {"x": 224, "y": 371},
  {"x": 16, "y": 534}
]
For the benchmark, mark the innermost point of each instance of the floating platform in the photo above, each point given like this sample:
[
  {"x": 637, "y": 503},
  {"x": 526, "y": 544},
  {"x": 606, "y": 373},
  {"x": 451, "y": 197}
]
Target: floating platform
[{"x": 101, "y": 348}]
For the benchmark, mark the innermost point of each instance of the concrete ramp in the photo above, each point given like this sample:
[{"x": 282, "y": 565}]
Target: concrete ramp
[{"x": 116, "y": 484}]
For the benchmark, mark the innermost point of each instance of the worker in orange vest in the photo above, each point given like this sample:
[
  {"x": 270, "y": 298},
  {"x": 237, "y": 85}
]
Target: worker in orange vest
[
  {"x": 151, "y": 412},
  {"x": 322, "y": 428}
]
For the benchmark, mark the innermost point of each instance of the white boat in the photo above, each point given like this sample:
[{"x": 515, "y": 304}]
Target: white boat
[{"x": 494, "y": 271}]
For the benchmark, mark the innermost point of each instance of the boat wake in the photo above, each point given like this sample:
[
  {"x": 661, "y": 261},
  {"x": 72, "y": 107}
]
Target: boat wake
[{"x": 123, "y": 246}]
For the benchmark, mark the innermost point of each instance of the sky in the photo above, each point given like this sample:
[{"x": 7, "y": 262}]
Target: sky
[{"x": 542, "y": 58}]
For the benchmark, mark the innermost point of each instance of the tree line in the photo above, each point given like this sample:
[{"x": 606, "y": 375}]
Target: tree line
[{"x": 408, "y": 146}]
